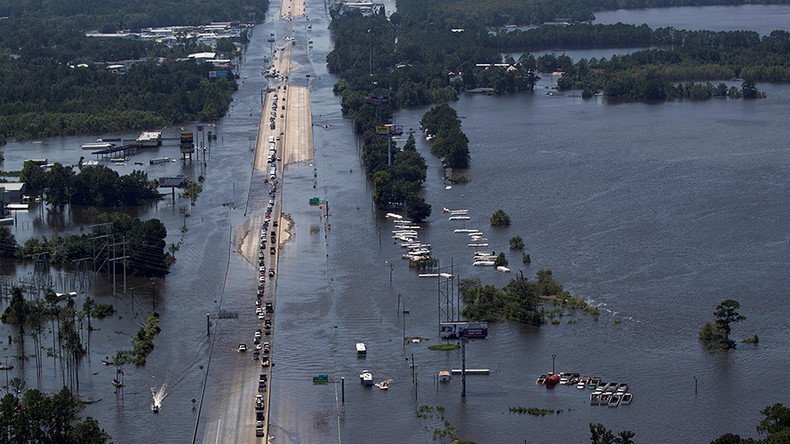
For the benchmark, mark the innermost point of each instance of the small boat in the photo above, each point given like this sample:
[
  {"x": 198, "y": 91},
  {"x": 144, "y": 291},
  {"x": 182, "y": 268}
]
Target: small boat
[
  {"x": 503, "y": 269},
  {"x": 394, "y": 216},
  {"x": 622, "y": 388},
  {"x": 627, "y": 398},
  {"x": 581, "y": 386},
  {"x": 366, "y": 378},
  {"x": 477, "y": 245},
  {"x": 552, "y": 380},
  {"x": 595, "y": 397},
  {"x": 384, "y": 385},
  {"x": 117, "y": 383},
  {"x": 444, "y": 376},
  {"x": 483, "y": 263},
  {"x": 465, "y": 230},
  {"x": 594, "y": 381},
  {"x": 105, "y": 362},
  {"x": 6, "y": 366},
  {"x": 157, "y": 160},
  {"x": 541, "y": 380},
  {"x": 458, "y": 218},
  {"x": 154, "y": 408},
  {"x": 615, "y": 399},
  {"x": 459, "y": 212},
  {"x": 361, "y": 348}
]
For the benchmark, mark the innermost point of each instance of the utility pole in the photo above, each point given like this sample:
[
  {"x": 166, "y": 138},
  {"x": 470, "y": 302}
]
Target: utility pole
[{"x": 463, "y": 368}]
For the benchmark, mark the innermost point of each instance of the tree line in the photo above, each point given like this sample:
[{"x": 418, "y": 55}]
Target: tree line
[
  {"x": 42, "y": 98},
  {"x": 145, "y": 245},
  {"x": 96, "y": 186},
  {"x": 33, "y": 416},
  {"x": 44, "y": 93},
  {"x": 449, "y": 143},
  {"x": 585, "y": 35},
  {"x": 362, "y": 57},
  {"x": 471, "y": 13}
]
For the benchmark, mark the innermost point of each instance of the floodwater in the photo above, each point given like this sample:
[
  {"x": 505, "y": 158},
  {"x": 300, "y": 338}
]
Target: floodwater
[
  {"x": 760, "y": 18},
  {"x": 655, "y": 212}
]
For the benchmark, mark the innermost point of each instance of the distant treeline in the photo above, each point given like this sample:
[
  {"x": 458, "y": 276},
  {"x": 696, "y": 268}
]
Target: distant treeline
[
  {"x": 472, "y": 13},
  {"x": 44, "y": 93},
  {"x": 42, "y": 98},
  {"x": 616, "y": 35},
  {"x": 110, "y": 15}
]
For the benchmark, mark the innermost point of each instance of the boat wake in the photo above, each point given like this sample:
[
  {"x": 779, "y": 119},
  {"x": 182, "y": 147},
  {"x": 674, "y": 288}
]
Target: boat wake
[{"x": 159, "y": 395}]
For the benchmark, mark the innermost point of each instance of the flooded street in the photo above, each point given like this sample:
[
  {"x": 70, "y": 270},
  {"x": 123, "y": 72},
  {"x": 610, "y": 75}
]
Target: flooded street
[{"x": 655, "y": 212}]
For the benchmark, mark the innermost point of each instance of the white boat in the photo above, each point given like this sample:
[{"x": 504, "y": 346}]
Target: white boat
[
  {"x": 483, "y": 263},
  {"x": 401, "y": 221},
  {"x": 366, "y": 378},
  {"x": 615, "y": 399},
  {"x": 465, "y": 230},
  {"x": 361, "y": 348},
  {"x": 459, "y": 212},
  {"x": 156, "y": 160},
  {"x": 595, "y": 397},
  {"x": 503, "y": 269},
  {"x": 118, "y": 160},
  {"x": 444, "y": 376},
  {"x": 458, "y": 218},
  {"x": 428, "y": 275},
  {"x": 626, "y": 399},
  {"x": 394, "y": 216},
  {"x": 477, "y": 245},
  {"x": 384, "y": 385},
  {"x": 580, "y": 385}
]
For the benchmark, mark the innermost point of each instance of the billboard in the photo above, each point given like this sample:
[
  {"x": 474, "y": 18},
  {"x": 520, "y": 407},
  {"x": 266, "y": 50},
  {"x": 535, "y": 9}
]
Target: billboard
[{"x": 465, "y": 330}]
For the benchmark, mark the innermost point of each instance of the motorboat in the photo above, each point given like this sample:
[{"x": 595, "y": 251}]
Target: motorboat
[
  {"x": 384, "y": 385},
  {"x": 154, "y": 408},
  {"x": 394, "y": 216},
  {"x": 465, "y": 230},
  {"x": 366, "y": 378},
  {"x": 483, "y": 263},
  {"x": 615, "y": 399},
  {"x": 458, "y": 218},
  {"x": 503, "y": 269},
  {"x": 595, "y": 397},
  {"x": 541, "y": 380},
  {"x": 444, "y": 376},
  {"x": 626, "y": 398},
  {"x": 477, "y": 245},
  {"x": 581, "y": 386},
  {"x": 117, "y": 383},
  {"x": 361, "y": 348}
]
